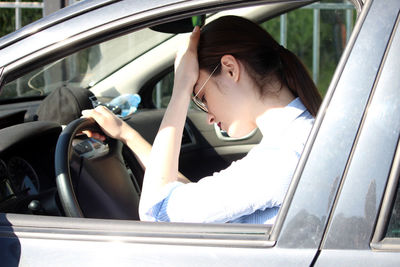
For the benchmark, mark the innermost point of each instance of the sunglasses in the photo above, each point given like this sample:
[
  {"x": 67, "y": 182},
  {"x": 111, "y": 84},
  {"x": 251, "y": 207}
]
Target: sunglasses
[{"x": 196, "y": 100}]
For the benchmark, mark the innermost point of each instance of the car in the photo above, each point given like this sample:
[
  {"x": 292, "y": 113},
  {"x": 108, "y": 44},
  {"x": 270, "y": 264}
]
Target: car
[{"x": 66, "y": 200}]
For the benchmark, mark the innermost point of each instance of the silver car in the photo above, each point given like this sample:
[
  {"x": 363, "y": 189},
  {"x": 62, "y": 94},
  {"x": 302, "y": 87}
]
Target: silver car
[{"x": 59, "y": 206}]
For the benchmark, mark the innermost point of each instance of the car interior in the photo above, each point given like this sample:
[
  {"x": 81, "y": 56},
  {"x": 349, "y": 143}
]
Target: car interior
[{"x": 48, "y": 168}]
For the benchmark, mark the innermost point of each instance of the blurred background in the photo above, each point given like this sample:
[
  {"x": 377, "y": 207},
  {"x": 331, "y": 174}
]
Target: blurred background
[{"x": 15, "y": 14}]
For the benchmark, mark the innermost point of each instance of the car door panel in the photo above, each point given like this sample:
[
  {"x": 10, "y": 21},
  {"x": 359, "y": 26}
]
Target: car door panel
[
  {"x": 19, "y": 112},
  {"x": 91, "y": 242}
]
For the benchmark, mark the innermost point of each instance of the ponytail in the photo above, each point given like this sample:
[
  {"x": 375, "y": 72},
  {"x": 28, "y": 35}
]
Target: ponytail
[{"x": 294, "y": 74}]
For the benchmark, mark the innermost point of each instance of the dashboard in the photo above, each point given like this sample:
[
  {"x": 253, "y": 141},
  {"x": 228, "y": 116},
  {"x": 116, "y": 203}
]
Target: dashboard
[
  {"x": 27, "y": 170},
  {"x": 27, "y": 179},
  {"x": 18, "y": 178}
]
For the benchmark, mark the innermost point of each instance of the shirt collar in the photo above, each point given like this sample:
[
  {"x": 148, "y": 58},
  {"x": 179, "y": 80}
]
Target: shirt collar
[{"x": 274, "y": 121}]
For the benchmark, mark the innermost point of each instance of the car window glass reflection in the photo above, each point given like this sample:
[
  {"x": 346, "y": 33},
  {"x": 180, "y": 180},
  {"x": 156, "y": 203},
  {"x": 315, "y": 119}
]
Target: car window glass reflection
[{"x": 84, "y": 68}]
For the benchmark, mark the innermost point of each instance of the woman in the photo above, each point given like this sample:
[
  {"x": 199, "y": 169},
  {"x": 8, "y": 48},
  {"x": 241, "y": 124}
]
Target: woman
[{"x": 243, "y": 79}]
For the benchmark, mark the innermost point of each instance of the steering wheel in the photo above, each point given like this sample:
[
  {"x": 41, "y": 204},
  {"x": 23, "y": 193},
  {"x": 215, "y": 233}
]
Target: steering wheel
[{"x": 100, "y": 187}]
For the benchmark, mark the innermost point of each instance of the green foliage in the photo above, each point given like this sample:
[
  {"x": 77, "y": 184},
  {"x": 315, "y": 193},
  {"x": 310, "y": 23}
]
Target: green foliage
[
  {"x": 300, "y": 39},
  {"x": 299, "y": 33},
  {"x": 7, "y": 21},
  {"x": 7, "y": 17}
]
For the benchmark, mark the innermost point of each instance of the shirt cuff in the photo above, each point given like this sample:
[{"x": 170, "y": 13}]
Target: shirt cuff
[{"x": 154, "y": 208}]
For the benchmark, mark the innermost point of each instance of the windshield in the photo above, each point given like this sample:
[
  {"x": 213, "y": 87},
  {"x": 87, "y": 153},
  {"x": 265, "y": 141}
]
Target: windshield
[{"x": 84, "y": 68}]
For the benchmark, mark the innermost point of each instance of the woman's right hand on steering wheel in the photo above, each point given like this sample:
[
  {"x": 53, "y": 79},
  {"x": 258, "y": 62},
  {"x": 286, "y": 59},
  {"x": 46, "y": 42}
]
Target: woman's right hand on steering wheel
[{"x": 109, "y": 123}]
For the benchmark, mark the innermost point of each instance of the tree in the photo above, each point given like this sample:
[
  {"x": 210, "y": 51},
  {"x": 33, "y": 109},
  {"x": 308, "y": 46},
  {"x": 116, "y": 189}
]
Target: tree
[
  {"x": 300, "y": 39},
  {"x": 7, "y": 17}
]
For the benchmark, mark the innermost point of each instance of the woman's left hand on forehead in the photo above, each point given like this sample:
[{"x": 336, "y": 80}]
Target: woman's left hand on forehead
[{"x": 186, "y": 63}]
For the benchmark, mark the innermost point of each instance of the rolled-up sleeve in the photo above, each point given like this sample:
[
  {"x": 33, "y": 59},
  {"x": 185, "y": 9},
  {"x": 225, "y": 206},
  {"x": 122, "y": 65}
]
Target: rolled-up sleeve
[{"x": 153, "y": 208}]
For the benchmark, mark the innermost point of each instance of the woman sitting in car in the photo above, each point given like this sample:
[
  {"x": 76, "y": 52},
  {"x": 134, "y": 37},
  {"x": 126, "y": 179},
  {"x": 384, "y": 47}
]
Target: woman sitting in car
[{"x": 243, "y": 79}]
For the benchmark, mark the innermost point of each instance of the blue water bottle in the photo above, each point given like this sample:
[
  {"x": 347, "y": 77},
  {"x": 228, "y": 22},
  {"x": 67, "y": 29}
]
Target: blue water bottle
[{"x": 127, "y": 103}]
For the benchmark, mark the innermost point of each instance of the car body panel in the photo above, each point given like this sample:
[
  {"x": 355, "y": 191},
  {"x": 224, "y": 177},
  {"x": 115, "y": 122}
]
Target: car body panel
[
  {"x": 336, "y": 128},
  {"x": 365, "y": 180},
  {"x": 356, "y": 258}
]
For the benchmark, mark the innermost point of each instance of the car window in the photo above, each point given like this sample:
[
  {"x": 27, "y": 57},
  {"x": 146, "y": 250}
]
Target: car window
[
  {"x": 316, "y": 33},
  {"x": 84, "y": 68}
]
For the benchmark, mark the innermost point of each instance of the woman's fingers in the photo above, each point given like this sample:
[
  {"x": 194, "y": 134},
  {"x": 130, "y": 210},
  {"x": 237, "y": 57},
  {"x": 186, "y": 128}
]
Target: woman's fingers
[
  {"x": 94, "y": 135},
  {"x": 108, "y": 122},
  {"x": 186, "y": 63},
  {"x": 194, "y": 40},
  {"x": 189, "y": 49},
  {"x": 99, "y": 114},
  {"x": 91, "y": 113}
]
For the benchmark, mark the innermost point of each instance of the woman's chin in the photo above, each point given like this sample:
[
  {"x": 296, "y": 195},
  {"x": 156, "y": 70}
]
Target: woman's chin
[{"x": 239, "y": 133}]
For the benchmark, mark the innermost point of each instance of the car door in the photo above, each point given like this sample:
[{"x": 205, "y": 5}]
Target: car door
[{"x": 364, "y": 221}]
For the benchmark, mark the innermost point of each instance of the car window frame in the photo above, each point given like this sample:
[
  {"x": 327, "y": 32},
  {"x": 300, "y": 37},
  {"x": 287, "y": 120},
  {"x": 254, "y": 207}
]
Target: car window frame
[{"x": 379, "y": 240}]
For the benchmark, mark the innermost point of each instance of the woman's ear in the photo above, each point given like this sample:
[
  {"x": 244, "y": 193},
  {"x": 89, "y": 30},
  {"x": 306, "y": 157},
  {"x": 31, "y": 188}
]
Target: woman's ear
[{"x": 230, "y": 67}]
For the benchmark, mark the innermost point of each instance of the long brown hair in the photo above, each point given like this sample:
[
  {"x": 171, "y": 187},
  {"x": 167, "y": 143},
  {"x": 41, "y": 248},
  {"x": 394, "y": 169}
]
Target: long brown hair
[{"x": 261, "y": 55}]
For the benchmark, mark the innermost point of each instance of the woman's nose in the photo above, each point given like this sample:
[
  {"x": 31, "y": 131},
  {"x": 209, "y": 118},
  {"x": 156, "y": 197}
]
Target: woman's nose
[{"x": 210, "y": 118}]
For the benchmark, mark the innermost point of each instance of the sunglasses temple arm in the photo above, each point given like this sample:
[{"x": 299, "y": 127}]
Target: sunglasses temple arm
[{"x": 201, "y": 88}]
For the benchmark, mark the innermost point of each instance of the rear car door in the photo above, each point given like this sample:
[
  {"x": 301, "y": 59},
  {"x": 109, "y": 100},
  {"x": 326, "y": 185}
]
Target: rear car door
[{"x": 361, "y": 230}]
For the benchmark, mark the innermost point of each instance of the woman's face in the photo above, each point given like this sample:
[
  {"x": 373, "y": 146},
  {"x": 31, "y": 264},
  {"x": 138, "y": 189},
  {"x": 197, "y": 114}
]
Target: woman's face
[{"x": 227, "y": 104}]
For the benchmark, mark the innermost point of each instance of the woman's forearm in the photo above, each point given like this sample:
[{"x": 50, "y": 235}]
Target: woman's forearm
[
  {"x": 163, "y": 161},
  {"x": 137, "y": 144},
  {"x": 162, "y": 165}
]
